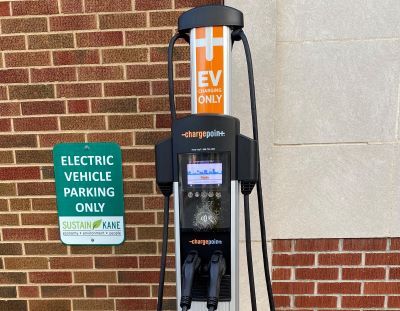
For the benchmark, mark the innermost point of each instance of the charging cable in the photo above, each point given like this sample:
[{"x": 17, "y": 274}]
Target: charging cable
[
  {"x": 189, "y": 269},
  {"x": 217, "y": 268}
]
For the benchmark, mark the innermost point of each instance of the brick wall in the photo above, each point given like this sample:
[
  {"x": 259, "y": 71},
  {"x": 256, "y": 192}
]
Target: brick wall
[
  {"x": 75, "y": 71},
  {"x": 337, "y": 274}
]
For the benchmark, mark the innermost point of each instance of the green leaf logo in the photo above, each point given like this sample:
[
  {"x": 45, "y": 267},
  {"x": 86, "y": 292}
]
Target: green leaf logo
[{"x": 97, "y": 224}]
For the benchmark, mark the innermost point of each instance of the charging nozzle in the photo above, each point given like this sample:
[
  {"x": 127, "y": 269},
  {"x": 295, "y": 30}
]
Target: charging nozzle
[
  {"x": 189, "y": 269},
  {"x": 217, "y": 268}
]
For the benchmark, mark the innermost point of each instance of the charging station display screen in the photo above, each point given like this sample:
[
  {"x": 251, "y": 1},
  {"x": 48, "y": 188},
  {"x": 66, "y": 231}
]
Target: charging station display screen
[{"x": 204, "y": 173}]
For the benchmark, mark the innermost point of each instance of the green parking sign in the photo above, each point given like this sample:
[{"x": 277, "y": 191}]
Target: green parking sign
[{"x": 89, "y": 189}]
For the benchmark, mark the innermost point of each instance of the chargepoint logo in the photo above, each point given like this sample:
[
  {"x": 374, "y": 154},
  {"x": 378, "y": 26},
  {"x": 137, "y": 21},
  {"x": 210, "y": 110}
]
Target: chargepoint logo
[
  {"x": 203, "y": 134},
  {"x": 205, "y": 242}
]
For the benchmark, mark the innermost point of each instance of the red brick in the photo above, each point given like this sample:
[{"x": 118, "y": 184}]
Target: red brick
[
  {"x": 43, "y": 7},
  {"x": 43, "y": 107},
  {"x": 364, "y": 244},
  {"x": 92, "y": 39},
  {"x": 299, "y": 288},
  {"x": 7, "y": 189},
  {"x": 317, "y": 274},
  {"x": 315, "y": 301},
  {"x": 50, "y": 277},
  {"x": 24, "y": 25},
  {"x": 132, "y": 55},
  {"x": 69, "y": 291},
  {"x": 13, "y": 305},
  {"x": 127, "y": 89},
  {"x": 12, "y": 278},
  {"x": 133, "y": 248},
  {"x": 79, "y": 90},
  {"x": 159, "y": 54},
  {"x": 107, "y": 6},
  {"x": 381, "y": 288},
  {"x": 36, "y": 124},
  {"x": 147, "y": 37},
  {"x": 293, "y": 260},
  {"x": 393, "y": 302},
  {"x": 93, "y": 304},
  {"x": 144, "y": 5},
  {"x": 27, "y": 59},
  {"x": 36, "y": 188},
  {"x": 4, "y": 8},
  {"x": 191, "y": 3},
  {"x": 12, "y": 43},
  {"x": 76, "y": 57},
  {"x": 394, "y": 274},
  {"x": 72, "y": 22},
  {"x": 90, "y": 250},
  {"x": 101, "y": 73},
  {"x": 7, "y": 141},
  {"x": 382, "y": 259},
  {"x": 363, "y": 273},
  {"x": 130, "y": 121},
  {"x": 339, "y": 288},
  {"x": 149, "y": 262},
  {"x": 40, "y": 305},
  {"x": 138, "y": 155},
  {"x": 14, "y": 173},
  {"x": 182, "y": 70},
  {"x": 138, "y": 304},
  {"x": 31, "y": 91},
  {"x": 123, "y": 139},
  {"x": 78, "y": 106},
  {"x": 95, "y": 277},
  {"x": 71, "y": 263},
  {"x": 8, "y": 220},
  {"x": 148, "y": 71},
  {"x": 145, "y": 171},
  {"x": 53, "y": 74},
  {"x": 44, "y": 204},
  {"x": 282, "y": 301},
  {"x": 10, "y": 249},
  {"x": 23, "y": 263},
  {"x": 116, "y": 262},
  {"x": 169, "y": 18},
  {"x": 153, "y": 104},
  {"x": 363, "y": 301},
  {"x": 161, "y": 87},
  {"x": 71, "y": 6},
  {"x": 122, "y": 20},
  {"x": 316, "y": 245},
  {"x": 3, "y": 92},
  {"x": 14, "y": 76},
  {"x": 133, "y": 203},
  {"x": 114, "y": 105},
  {"x": 5, "y": 125},
  {"x": 28, "y": 291},
  {"x": 9, "y": 109},
  {"x": 139, "y": 218},
  {"x": 45, "y": 248},
  {"x": 83, "y": 123},
  {"x": 150, "y": 138},
  {"x": 395, "y": 244},
  {"x": 339, "y": 259},
  {"x": 51, "y": 41},
  {"x": 129, "y": 291},
  {"x": 23, "y": 234},
  {"x": 49, "y": 140},
  {"x": 96, "y": 291},
  {"x": 281, "y": 274},
  {"x": 141, "y": 276}
]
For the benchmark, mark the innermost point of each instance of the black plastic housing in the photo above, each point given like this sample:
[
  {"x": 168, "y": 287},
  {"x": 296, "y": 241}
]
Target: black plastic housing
[{"x": 210, "y": 15}]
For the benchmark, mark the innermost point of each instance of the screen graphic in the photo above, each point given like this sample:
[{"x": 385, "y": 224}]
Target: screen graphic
[{"x": 204, "y": 173}]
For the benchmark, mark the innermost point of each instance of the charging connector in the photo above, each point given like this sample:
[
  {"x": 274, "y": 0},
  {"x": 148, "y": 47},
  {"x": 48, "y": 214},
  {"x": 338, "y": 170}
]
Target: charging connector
[
  {"x": 217, "y": 268},
  {"x": 189, "y": 269}
]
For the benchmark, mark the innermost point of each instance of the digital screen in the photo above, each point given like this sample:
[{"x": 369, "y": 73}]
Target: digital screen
[{"x": 204, "y": 173}]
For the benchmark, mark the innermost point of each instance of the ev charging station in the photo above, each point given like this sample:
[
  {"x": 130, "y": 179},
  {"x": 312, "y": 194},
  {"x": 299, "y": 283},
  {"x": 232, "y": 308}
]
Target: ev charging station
[{"x": 205, "y": 164}]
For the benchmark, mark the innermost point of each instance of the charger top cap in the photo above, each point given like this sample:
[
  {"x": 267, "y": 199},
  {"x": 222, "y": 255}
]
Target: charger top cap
[{"x": 210, "y": 15}]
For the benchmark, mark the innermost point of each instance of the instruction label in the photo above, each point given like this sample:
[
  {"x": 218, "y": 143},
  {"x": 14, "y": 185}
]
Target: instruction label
[{"x": 89, "y": 189}]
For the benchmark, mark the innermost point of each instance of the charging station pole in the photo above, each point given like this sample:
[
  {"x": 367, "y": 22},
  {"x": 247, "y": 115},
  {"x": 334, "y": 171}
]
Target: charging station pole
[{"x": 204, "y": 163}]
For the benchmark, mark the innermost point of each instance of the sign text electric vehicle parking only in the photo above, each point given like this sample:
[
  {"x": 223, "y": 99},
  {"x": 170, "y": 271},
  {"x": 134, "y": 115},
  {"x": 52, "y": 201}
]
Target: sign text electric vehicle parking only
[{"x": 89, "y": 190}]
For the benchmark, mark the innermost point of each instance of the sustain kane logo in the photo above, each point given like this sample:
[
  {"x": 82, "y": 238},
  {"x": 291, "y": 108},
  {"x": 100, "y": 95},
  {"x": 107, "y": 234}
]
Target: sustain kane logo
[{"x": 203, "y": 134}]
